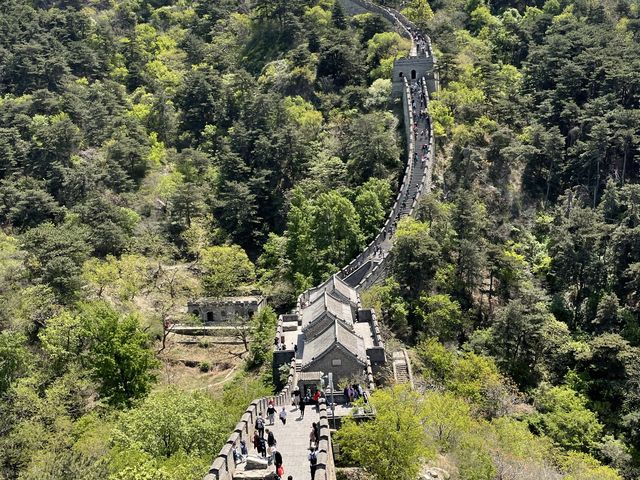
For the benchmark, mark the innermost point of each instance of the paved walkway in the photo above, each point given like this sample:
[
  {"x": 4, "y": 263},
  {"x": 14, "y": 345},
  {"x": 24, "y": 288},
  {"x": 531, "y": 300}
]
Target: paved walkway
[
  {"x": 420, "y": 139},
  {"x": 293, "y": 441}
]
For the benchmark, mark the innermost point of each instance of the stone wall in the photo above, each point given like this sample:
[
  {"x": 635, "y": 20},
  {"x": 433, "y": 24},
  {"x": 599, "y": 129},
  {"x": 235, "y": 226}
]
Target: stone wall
[
  {"x": 423, "y": 65},
  {"x": 413, "y": 68},
  {"x": 377, "y": 272},
  {"x": 326, "y": 467},
  {"x": 225, "y": 310},
  {"x": 380, "y": 270},
  {"x": 223, "y": 467},
  {"x": 363, "y": 6},
  {"x": 348, "y": 365}
]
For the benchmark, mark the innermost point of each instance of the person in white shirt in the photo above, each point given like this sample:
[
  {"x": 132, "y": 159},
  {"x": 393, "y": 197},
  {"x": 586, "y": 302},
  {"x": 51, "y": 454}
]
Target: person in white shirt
[{"x": 283, "y": 416}]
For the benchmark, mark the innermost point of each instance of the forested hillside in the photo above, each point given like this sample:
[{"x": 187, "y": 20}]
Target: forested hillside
[
  {"x": 152, "y": 151},
  {"x": 524, "y": 262}
]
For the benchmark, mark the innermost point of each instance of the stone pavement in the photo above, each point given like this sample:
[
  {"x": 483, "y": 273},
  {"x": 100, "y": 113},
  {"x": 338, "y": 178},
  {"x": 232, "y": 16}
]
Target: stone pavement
[{"x": 293, "y": 441}]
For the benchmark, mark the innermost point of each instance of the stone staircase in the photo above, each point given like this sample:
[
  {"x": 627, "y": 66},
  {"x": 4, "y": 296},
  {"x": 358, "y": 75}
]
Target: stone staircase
[{"x": 402, "y": 373}]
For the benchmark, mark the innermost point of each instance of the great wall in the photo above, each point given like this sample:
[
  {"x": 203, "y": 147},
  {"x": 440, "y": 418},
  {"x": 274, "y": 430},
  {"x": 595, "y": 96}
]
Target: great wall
[{"x": 414, "y": 78}]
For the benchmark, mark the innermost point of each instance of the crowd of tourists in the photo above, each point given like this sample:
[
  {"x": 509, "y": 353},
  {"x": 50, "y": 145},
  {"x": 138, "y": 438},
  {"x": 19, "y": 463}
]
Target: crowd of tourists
[
  {"x": 423, "y": 44},
  {"x": 264, "y": 440}
]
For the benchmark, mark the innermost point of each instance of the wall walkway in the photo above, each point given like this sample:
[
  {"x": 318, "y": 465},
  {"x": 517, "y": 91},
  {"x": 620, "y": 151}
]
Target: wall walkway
[{"x": 365, "y": 270}]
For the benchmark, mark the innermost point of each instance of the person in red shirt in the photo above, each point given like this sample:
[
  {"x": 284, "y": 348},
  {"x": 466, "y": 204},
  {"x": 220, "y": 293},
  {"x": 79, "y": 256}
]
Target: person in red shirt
[{"x": 316, "y": 399}]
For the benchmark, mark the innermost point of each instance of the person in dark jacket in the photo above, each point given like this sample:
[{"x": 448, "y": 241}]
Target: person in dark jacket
[
  {"x": 262, "y": 447},
  {"x": 303, "y": 402},
  {"x": 271, "y": 440}
]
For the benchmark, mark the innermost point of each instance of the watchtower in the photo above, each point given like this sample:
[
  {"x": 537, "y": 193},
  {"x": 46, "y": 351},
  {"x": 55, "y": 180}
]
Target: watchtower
[{"x": 413, "y": 68}]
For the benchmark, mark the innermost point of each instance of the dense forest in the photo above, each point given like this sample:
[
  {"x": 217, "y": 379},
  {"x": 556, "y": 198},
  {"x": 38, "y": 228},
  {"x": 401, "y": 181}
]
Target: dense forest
[
  {"x": 152, "y": 151},
  {"x": 524, "y": 261}
]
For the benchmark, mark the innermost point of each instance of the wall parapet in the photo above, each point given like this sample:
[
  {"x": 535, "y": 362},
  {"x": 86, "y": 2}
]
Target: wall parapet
[{"x": 223, "y": 466}]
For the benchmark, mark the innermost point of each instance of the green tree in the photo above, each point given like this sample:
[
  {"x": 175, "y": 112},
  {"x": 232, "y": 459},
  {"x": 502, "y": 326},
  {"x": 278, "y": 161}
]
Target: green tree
[
  {"x": 415, "y": 257},
  {"x": 226, "y": 269},
  {"x": 469, "y": 221},
  {"x": 263, "y": 331},
  {"x": 119, "y": 354},
  {"x": 337, "y": 16},
  {"x": 525, "y": 336},
  {"x": 14, "y": 358},
  {"x": 111, "y": 226},
  {"x": 419, "y": 12},
  {"x": 56, "y": 254},
  {"x": 111, "y": 346},
  {"x": 439, "y": 316},
  {"x": 121, "y": 358},
  {"x": 371, "y": 213},
  {"x": 576, "y": 247},
  {"x": 610, "y": 367},
  {"x": 393, "y": 443},
  {"x": 447, "y": 419},
  {"x": 301, "y": 246},
  {"x": 25, "y": 203},
  {"x": 336, "y": 231},
  {"x": 170, "y": 422},
  {"x": 372, "y": 147},
  {"x": 565, "y": 418},
  {"x": 388, "y": 303}
]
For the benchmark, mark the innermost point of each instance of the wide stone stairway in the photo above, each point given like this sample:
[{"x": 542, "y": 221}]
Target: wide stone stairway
[{"x": 293, "y": 445}]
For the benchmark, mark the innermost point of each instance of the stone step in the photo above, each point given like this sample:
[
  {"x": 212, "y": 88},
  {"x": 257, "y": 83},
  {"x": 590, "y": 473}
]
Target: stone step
[{"x": 401, "y": 369}]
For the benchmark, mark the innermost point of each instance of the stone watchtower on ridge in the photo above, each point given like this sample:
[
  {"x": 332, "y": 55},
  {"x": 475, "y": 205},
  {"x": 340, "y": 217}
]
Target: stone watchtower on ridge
[
  {"x": 420, "y": 62},
  {"x": 413, "y": 68}
]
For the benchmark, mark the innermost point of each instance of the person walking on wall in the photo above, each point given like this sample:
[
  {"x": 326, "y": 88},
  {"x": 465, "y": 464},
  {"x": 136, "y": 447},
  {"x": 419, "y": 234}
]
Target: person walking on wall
[
  {"x": 316, "y": 400},
  {"x": 262, "y": 449},
  {"x": 283, "y": 416},
  {"x": 313, "y": 462},
  {"x": 271, "y": 451},
  {"x": 302, "y": 406},
  {"x": 260, "y": 425},
  {"x": 313, "y": 440},
  {"x": 296, "y": 397},
  {"x": 271, "y": 413},
  {"x": 271, "y": 439},
  {"x": 256, "y": 441},
  {"x": 316, "y": 429},
  {"x": 243, "y": 449}
]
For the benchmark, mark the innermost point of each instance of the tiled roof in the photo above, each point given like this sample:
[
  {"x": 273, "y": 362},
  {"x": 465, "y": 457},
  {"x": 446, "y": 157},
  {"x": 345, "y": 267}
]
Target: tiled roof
[
  {"x": 338, "y": 288},
  {"x": 336, "y": 334},
  {"x": 326, "y": 303}
]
